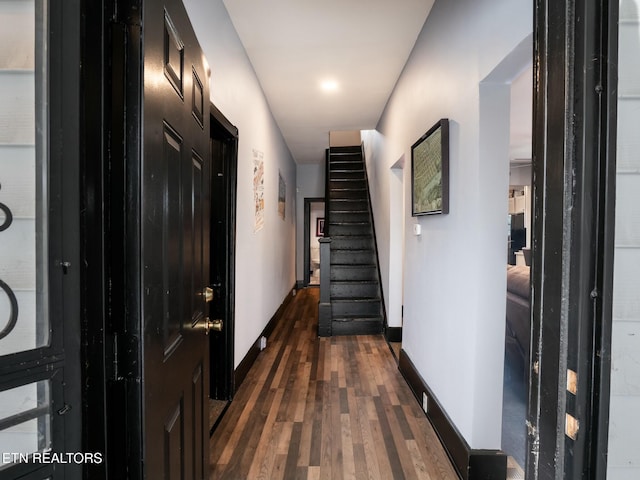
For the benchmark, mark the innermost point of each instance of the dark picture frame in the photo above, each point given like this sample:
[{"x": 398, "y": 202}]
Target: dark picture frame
[
  {"x": 430, "y": 171},
  {"x": 320, "y": 227}
]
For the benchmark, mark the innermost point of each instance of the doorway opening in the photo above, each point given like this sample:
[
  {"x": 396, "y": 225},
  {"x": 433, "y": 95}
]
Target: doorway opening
[
  {"x": 313, "y": 231},
  {"x": 518, "y": 304},
  {"x": 506, "y": 140},
  {"x": 396, "y": 257}
]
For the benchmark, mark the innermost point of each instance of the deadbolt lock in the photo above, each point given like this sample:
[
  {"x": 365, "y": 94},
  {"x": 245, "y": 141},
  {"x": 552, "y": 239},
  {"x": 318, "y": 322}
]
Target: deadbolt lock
[
  {"x": 215, "y": 325},
  {"x": 208, "y": 294}
]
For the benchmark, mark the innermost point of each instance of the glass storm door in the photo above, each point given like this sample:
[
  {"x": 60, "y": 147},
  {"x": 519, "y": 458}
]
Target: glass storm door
[{"x": 34, "y": 272}]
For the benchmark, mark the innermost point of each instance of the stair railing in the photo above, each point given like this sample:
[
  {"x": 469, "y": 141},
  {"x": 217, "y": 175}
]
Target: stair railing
[
  {"x": 327, "y": 175},
  {"x": 324, "y": 306},
  {"x": 375, "y": 243}
]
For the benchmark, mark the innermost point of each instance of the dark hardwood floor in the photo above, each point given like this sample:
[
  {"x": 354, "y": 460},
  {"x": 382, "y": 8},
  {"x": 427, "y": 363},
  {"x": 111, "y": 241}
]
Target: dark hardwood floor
[{"x": 325, "y": 408}]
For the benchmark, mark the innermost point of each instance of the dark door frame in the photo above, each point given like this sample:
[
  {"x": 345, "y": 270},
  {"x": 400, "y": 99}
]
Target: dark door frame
[
  {"x": 574, "y": 146},
  {"x": 307, "y": 236},
  {"x": 222, "y": 385}
]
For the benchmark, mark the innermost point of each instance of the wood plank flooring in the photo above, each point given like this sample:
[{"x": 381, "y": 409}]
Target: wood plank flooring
[{"x": 325, "y": 408}]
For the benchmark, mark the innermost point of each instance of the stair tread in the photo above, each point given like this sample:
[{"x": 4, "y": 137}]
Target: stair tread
[
  {"x": 355, "y": 300},
  {"x": 348, "y": 249},
  {"x": 354, "y": 237},
  {"x": 358, "y": 235},
  {"x": 354, "y": 265},
  {"x": 353, "y": 317},
  {"x": 351, "y": 250},
  {"x": 350, "y": 222},
  {"x": 354, "y": 282},
  {"x": 351, "y": 238}
]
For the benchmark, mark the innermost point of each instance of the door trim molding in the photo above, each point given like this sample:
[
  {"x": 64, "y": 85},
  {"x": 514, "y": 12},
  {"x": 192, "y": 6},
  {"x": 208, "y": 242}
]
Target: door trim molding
[
  {"x": 223, "y": 129},
  {"x": 574, "y": 142},
  {"x": 307, "y": 236}
]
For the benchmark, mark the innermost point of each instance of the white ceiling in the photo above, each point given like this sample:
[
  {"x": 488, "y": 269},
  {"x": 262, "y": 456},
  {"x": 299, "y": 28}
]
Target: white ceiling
[{"x": 295, "y": 45}]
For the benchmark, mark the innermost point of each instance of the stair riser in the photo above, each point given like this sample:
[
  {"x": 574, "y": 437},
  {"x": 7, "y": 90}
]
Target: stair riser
[
  {"x": 368, "y": 327},
  {"x": 349, "y": 217},
  {"x": 353, "y": 274},
  {"x": 350, "y": 290},
  {"x": 338, "y": 164},
  {"x": 345, "y": 152},
  {"x": 351, "y": 194},
  {"x": 339, "y": 309},
  {"x": 350, "y": 229},
  {"x": 346, "y": 174},
  {"x": 348, "y": 204},
  {"x": 353, "y": 243},
  {"x": 349, "y": 183},
  {"x": 352, "y": 258}
]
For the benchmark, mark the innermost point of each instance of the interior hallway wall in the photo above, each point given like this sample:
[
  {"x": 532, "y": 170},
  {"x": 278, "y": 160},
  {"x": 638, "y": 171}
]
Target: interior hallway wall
[
  {"x": 455, "y": 272},
  {"x": 265, "y": 259}
]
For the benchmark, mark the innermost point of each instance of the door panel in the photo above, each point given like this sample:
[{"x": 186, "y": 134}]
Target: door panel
[{"x": 174, "y": 234}]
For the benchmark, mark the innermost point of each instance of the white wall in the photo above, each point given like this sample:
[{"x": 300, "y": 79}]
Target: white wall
[
  {"x": 310, "y": 184},
  {"x": 345, "y": 138},
  {"x": 19, "y": 247},
  {"x": 454, "y": 278},
  {"x": 521, "y": 115},
  {"x": 265, "y": 265},
  {"x": 386, "y": 188},
  {"x": 624, "y": 422}
]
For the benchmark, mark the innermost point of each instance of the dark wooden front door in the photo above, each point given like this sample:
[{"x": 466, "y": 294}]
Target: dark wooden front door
[{"x": 174, "y": 190}]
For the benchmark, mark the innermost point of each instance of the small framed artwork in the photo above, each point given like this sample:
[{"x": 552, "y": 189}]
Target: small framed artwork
[
  {"x": 320, "y": 227},
  {"x": 430, "y": 171},
  {"x": 282, "y": 196}
]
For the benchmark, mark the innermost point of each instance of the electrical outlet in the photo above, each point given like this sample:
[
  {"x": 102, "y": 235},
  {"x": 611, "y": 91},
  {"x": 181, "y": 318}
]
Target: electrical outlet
[
  {"x": 263, "y": 343},
  {"x": 425, "y": 402}
]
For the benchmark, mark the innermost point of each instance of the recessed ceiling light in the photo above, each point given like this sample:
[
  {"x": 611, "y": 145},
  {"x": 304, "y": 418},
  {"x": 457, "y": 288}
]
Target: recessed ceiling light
[{"x": 329, "y": 85}]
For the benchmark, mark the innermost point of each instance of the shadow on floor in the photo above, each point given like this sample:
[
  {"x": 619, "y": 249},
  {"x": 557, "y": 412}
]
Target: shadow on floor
[
  {"x": 514, "y": 408},
  {"x": 216, "y": 411}
]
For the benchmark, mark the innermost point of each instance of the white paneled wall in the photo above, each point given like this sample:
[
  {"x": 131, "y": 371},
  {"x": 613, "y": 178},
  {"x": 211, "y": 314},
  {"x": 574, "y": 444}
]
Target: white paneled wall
[
  {"x": 17, "y": 172},
  {"x": 624, "y": 421},
  {"x": 18, "y": 237}
]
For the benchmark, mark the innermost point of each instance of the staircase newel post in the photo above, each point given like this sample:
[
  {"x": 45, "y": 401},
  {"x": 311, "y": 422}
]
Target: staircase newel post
[{"x": 324, "y": 306}]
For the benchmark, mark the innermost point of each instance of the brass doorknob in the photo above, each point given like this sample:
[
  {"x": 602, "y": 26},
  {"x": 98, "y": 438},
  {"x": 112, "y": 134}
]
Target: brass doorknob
[
  {"x": 208, "y": 294},
  {"x": 215, "y": 325}
]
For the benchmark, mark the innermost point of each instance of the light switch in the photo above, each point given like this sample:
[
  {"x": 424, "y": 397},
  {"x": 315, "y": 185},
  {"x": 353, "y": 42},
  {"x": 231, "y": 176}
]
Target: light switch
[{"x": 417, "y": 229}]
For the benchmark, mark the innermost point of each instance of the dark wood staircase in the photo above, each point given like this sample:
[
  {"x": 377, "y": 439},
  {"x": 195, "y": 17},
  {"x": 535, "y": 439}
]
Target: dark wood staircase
[{"x": 355, "y": 295}]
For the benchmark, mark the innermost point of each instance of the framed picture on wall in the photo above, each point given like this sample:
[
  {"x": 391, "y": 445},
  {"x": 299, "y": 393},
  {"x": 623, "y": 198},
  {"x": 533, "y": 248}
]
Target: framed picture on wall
[
  {"x": 430, "y": 171},
  {"x": 320, "y": 227}
]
